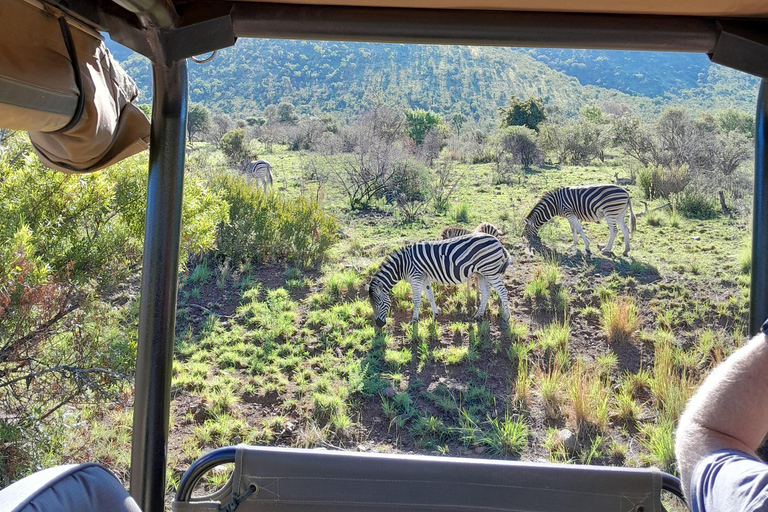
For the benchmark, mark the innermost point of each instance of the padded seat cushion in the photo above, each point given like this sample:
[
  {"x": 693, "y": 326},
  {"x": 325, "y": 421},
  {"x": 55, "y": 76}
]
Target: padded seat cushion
[{"x": 69, "y": 488}]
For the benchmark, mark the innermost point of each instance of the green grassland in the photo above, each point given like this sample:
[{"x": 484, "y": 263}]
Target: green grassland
[{"x": 609, "y": 348}]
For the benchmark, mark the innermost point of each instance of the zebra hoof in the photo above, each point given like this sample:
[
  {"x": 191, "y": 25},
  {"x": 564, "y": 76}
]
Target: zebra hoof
[
  {"x": 625, "y": 253},
  {"x": 607, "y": 253}
]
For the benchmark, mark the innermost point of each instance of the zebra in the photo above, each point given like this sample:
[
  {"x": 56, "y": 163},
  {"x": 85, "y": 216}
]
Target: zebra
[
  {"x": 449, "y": 261},
  {"x": 584, "y": 203},
  {"x": 260, "y": 170},
  {"x": 485, "y": 227}
]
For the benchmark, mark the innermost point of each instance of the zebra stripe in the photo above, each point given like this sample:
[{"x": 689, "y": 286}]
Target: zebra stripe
[
  {"x": 260, "y": 170},
  {"x": 485, "y": 227},
  {"x": 449, "y": 261},
  {"x": 588, "y": 203}
]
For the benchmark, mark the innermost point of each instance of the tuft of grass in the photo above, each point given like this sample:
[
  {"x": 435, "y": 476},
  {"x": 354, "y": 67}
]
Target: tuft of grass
[
  {"x": 674, "y": 219},
  {"x": 550, "y": 388},
  {"x": 659, "y": 439},
  {"x": 461, "y": 213},
  {"x": 452, "y": 355},
  {"x": 554, "y": 337},
  {"x": 745, "y": 260},
  {"x": 508, "y": 436},
  {"x": 200, "y": 275},
  {"x": 397, "y": 358},
  {"x": 620, "y": 319},
  {"x": 587, "y": 396},
  {"x": 653, "y": 218}
]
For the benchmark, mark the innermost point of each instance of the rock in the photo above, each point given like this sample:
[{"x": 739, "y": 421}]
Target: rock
[
  {"x": 670, "y": 248},
  {"x": 480, "y": 450},
  {"x": 389, "y": 392},
  {"x": 362, "y": 448},
  {"x": 567, "y": 439},
  {"x": 697, "y": 238}
]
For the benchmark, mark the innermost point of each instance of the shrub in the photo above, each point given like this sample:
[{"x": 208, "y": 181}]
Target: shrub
[
  {"x": 659, "y": 182},
  {"x": 233, "y": 145},
  {"x": 693, "y": 205},
  {"x": 270, "y": 227}
]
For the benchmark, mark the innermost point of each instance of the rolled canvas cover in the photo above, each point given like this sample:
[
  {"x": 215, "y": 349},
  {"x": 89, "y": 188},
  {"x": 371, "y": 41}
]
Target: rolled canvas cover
[{"x": 79, "y": 119}]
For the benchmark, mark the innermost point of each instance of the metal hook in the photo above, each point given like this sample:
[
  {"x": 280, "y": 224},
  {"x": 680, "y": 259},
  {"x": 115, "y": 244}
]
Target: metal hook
[{"x": 203, "y": 61}]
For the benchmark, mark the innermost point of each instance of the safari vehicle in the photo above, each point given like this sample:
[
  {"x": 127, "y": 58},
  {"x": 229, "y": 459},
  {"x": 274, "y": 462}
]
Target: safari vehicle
[{"x": 48, "y": 89}]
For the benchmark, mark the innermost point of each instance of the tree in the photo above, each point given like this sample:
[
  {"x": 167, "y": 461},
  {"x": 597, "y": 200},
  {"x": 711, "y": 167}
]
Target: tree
[
  {"x": 529, "y": 113},
  {"x": 515, "y": 147},
  {"x": 233, "y": 145},
  {"x": 431, "y": 146},
  {"x": 730, "y": 120},
  {"x": 198, "y": 120},
  {"x": 365, "y": 159},
  {"x": 585, "y": 141},
  {"x": 419, "y": 122},
  {"x": 286, "y": 113}
]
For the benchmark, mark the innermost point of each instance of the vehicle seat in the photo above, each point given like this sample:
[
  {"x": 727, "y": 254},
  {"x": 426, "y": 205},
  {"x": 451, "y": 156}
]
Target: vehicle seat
[{"x": 68, "y": 488}]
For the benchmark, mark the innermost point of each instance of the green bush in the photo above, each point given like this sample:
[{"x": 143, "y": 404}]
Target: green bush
[
  {"x": 269, "y": 227},
  {"x": 693, "y": 205},
  {"x": 658, "y": 182}
]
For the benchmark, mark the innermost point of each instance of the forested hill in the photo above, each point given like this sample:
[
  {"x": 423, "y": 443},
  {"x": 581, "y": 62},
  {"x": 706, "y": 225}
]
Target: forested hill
[
  {"x": 675, "y": 76},
  {"x": 474, "y": 81}
]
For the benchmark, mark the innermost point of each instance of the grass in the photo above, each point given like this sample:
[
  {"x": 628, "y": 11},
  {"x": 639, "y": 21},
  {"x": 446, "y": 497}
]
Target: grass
[
  {"x": 554, "y": 337},
  {"x": 620, "y": 319}
]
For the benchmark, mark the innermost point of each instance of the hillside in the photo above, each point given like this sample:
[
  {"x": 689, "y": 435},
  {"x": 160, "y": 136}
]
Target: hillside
[
  {"x": 343, "y": 77},
  {"x": 686, "y": 77}
]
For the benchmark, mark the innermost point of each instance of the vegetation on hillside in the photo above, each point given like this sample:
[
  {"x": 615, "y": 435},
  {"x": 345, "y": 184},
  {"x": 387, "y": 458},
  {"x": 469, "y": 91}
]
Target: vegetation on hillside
[{"x": 344, "y": 78}]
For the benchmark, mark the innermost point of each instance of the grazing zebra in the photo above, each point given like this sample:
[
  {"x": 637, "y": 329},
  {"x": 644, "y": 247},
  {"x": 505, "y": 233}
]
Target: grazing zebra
[
  {"x": 449, "y": 261},
  {"x": 260, "y": 170},
  {"x": 485, "y": 227},
  {"x": 584, "y": 203}
]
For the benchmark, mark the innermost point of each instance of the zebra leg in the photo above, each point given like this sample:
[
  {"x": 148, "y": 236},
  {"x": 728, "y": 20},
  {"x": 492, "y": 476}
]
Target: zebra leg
[
  {"x": 485, "y": 292},
  {"x": 574, "y": 232},
  {"x": 575, "y": 223},
  {"x": 625, "y": 231},
  {"x": 416, "y": 290},
  {"x": 501, "y": 291},
  {"x": 431, "y": 297},
  {"x": 613, "y": 232}
]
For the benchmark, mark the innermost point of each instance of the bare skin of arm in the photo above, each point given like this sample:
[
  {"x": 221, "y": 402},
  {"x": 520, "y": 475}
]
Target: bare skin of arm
[{"x": 729, "y": 411}]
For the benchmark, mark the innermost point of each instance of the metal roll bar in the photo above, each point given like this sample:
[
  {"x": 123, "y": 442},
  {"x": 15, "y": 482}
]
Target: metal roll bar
[
  {"x": 160, "y": 269},
  {"x": 758, "y": 292}
]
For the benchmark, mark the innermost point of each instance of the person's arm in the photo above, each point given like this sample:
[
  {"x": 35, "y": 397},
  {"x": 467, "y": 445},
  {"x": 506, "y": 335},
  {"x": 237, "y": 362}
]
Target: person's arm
[{"x": 729, "y": 411}]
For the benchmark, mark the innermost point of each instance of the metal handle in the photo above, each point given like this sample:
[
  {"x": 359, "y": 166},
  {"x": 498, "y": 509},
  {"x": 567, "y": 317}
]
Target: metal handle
[{"x": 200, "y": 467}]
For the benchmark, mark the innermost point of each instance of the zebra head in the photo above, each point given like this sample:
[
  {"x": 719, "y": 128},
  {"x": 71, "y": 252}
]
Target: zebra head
[
  {"x": 243, "y": 164},
  {"x": 541, "y": 212},
  {"x": 531, "y": 229},
  {"x": 380, "y": 302}
]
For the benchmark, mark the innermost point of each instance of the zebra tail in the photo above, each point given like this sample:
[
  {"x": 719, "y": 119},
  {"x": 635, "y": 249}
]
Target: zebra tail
[
  {"x": 506, "y": 263},
  {"x": 632, "y": 217}
]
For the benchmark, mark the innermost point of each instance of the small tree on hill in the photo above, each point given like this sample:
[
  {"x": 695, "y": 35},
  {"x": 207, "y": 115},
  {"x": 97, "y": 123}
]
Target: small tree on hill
[
  {"x": 419, "y": 122},
  {"x": 529, "y": 113},
  {"x": 198, "y": 120}
]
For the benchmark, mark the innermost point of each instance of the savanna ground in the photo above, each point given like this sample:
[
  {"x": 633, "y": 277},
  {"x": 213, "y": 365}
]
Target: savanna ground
[{"x": 607, "y": 349}]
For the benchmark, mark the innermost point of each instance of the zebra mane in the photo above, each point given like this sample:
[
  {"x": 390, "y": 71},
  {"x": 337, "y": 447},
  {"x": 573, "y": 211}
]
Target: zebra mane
[{"x": 547, "y": 195}]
